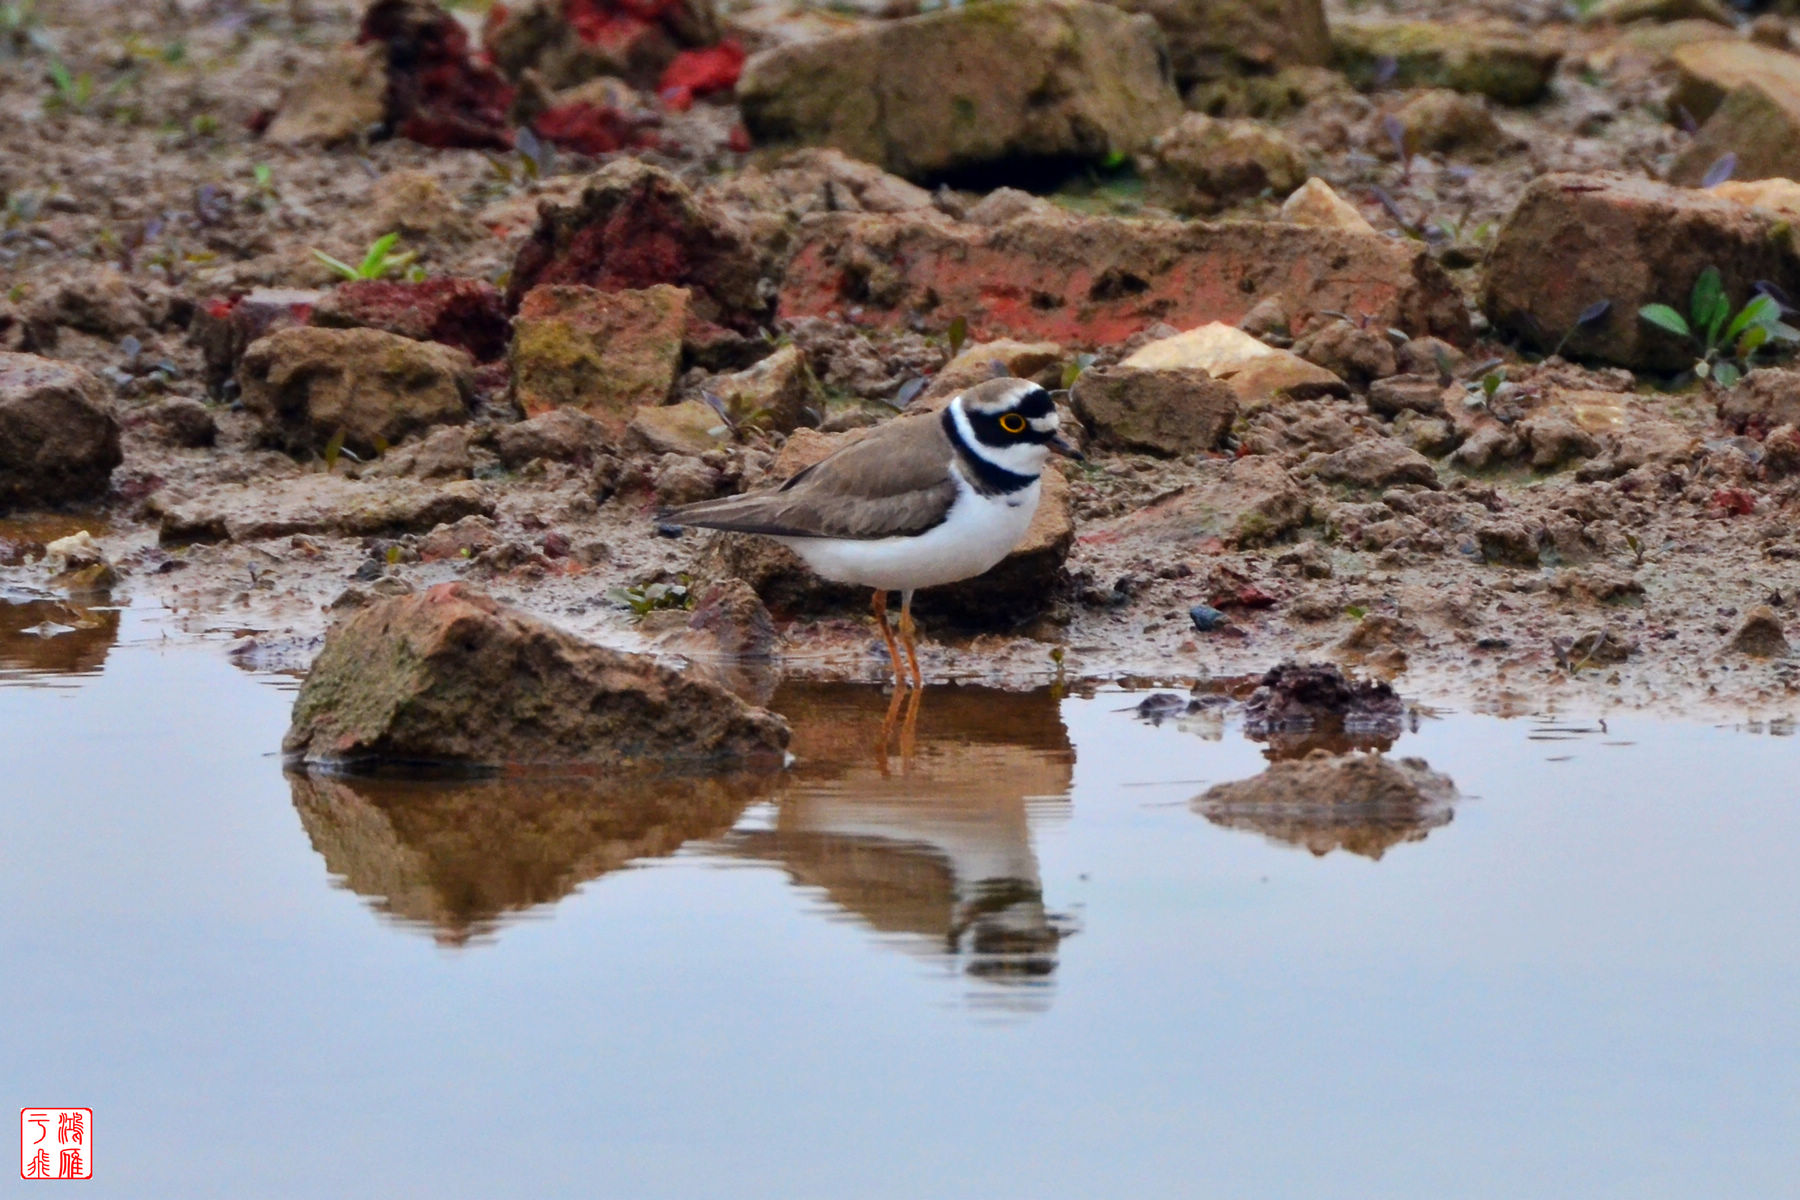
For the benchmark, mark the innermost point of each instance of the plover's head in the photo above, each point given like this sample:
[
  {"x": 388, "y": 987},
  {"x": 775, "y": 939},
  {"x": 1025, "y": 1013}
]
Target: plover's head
[{"x": 1011, "y": 423}]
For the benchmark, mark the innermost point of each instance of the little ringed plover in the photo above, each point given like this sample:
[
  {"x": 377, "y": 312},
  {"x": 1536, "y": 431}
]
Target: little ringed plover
[{"x": 916, "y": 503}]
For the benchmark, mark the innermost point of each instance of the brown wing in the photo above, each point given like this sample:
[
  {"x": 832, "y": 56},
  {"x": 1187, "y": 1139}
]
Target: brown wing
[{"x": 893, "y": 482}]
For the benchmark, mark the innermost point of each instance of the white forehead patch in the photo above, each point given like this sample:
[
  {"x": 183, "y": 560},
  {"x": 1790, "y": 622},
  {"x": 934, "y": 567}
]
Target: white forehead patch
[{"x": 996, "y": 396}]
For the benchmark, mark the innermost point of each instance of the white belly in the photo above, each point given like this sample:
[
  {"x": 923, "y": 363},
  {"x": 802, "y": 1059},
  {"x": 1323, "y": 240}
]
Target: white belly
[{"x": 979, "y": 532}]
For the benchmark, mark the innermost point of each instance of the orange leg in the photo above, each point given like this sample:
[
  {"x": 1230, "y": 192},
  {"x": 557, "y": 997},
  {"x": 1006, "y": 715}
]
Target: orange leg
[
  {"x": 909, "y": 638},
  {"x": 880, "y": 606}
]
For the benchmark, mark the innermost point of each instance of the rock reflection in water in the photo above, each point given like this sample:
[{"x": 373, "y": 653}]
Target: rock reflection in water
[
  {"x": 934, "y": 851},
  {"x": 55, "y": 637},
  {"x": 458, "y": 858},
  {"x": 1363, "y": 803}
]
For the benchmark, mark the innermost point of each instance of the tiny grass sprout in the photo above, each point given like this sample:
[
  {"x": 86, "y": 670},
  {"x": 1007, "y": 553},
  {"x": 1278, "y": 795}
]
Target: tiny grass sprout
[
  {"x": 69, "y": 93},
  {"x": 378, "y": 263},
  {"x": 958, "y": 334},
  {"x": 1728, "y": 344},
  {"x": 1072, "y": 370}
]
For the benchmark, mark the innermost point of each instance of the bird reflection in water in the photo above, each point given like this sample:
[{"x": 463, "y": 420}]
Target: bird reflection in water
[{"x": 936, "y": 856}]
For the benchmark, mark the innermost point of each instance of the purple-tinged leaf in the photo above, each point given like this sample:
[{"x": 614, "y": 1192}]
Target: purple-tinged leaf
[{"x": 1720, "y": 171}]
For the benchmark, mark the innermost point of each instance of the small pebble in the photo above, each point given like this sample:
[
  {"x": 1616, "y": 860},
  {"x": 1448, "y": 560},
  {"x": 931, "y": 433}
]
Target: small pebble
[{"x": 1206, "y": 618}]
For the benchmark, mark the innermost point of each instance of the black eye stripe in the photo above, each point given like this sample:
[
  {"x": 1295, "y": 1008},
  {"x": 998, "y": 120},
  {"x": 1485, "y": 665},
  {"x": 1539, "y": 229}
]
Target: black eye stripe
[{"x": 1035, "y": 403}]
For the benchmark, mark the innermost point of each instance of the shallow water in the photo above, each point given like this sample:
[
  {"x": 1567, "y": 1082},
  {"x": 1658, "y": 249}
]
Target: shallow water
[{"x": 1025, "y": 963}]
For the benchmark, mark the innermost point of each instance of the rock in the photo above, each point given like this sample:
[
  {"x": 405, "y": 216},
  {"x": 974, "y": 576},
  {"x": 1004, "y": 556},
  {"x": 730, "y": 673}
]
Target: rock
[
  {"x": 306, "y": 386},
  {"x": 1406, "y": 393},
  {"x": 417, "y": 206},
  {"x": 313, "y": 504},
  {"x": 604, "y": 352},
  {"x": 1082, "y": 82},
  {"x": 635, "y": 226},
  {"x": 1508, "y": 541},
  {"x": 1242, "y": 502},
  {"x": 102, "y": 302},
  {"x": 1488, "y": 60},
  {"x": 1099, "y": 280},
  {"x": 1762, "y": 400},
  {"x": 1166, "y": 412},
  {"x": 568, "y": 43},
  {"x": 1015, "y": 590},
  {"x": 1207, "y": 619},
  {"x": 1296, "y": 698},
  {"x": 1556, "y": 441},
  {"x": 1203, "y": 164},
  {"x": 684, "y": 479},
  {"x": 1630, "y": 241},
  {"x": 1760, "y": 634},
  {"x": 1760, "y": 126},
  {"x": 443, "y": 453},
  {"x": 438, "y": 94},
  {"x": 975, "y": 364},
  {"x": 223, "y": 329},
  {"x": 1315, "y": 204},
  {"x": 1365, "y": 804},
  {"x": 449, "y": 677},
  {"x": 1441, "y": 121},
  {"x": 560, "y": 435},
  {"x": 1771, "y": 29},
  {"x": 1621, "y": 12},
  {"x": 1213, "y": 39},
  {"x": 1004, "y": 204},
  {"x": 730, "y": 621},
  {"x": 339, "y": 98},
  {"x": 768, "y": 201},
  {"x": 175, "y": 421},
  {"x": 1374, "y": 463},
  {"x": 691, "y": 427},
  {"x": 1777, "y": 195},
  {"x": 1258, "y": 375},
  {"x": 1358, "y": 354},
  {"x": 778, "y": 393},
  {"x": 466, "y": 313},
  {"x": 1709, "y": 71},
  {"x": 59, "y": 440}
]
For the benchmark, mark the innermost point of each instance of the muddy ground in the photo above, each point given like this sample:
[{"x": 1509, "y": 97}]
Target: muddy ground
[{"x": 1504, "y": 589}]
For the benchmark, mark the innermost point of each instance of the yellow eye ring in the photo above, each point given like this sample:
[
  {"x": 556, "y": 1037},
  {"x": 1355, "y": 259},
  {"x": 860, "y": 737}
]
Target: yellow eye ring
[{"x": 1012, "y": 423}]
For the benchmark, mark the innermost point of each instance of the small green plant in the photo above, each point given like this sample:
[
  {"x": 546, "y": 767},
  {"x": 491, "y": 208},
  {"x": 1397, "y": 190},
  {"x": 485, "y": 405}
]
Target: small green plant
[
  {"x": 652, "y": 597},
  {"x": 958, "y": 333},
  {"x": 265, "y": 195},
  {"x": 378, "y": 263},
  {"x": 1072, "y": 370},
  {"x": 1727, "y": 344},
  {"x": 69, "y": 92}
]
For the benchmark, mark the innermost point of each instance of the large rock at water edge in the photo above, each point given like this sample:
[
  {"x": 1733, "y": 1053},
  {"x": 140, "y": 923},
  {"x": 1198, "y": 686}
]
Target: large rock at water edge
[
  {"x": 966, "y": 88},
  {"x": 309, "y": 385},
  {"x": 1575, "y": 240},
  {"x": 59, "y": 440},
  {"x": 448, "y": 676}
]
